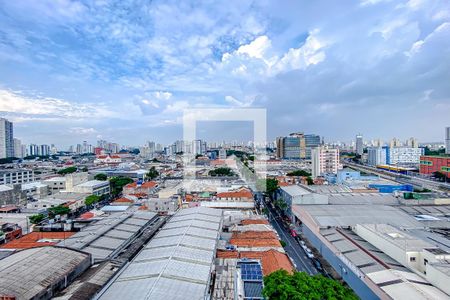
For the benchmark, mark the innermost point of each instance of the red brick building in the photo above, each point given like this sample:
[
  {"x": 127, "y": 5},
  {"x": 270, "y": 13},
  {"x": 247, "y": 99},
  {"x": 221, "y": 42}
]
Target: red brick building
[{"x": 430, "y": 164}]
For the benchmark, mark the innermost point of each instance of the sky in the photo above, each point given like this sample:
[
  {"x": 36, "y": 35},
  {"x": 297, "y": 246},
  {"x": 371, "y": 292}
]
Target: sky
[{"x": 126, "y": 70}]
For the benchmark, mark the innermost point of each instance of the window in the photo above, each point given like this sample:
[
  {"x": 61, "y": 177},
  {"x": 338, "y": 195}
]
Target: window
[
  {"x": 425, "y": 261},
  {"x": 412, "y": 258}
]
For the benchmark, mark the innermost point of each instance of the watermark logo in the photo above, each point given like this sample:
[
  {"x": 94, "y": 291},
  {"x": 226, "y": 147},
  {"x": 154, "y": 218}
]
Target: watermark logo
[{"x": 257, "y": 116}]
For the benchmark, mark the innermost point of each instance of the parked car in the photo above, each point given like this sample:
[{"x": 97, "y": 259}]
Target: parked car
[
  {"x": 309, "y": 253},
  {"x": 302, "y": 243},
  {"x": 293, "y": 233},
  {"x": 318, "y": 265}
]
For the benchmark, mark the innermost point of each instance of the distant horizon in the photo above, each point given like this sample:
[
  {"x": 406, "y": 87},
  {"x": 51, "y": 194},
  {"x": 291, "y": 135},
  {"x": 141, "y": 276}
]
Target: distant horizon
[{"x": 81, "y": 70}]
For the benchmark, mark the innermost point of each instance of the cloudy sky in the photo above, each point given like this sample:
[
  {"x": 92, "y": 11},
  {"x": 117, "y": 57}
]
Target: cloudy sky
[{"x": 125, "y": 70}]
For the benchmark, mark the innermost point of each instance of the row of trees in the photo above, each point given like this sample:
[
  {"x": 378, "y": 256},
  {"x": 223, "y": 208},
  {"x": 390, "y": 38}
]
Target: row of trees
[
  {"x": 224, "y": 171},
  {"x": 280, "y": 285}
]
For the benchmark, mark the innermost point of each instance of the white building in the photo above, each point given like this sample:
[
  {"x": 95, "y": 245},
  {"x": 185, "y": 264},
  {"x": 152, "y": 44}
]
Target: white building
[
  {"x": 13, "y": 176},
  {"x": 108, "y": 159},
  {"x": 222, "y": 154},
  {"x": 55, "y": 184},
  {"x": 18, "y": 149},
  {"x": 376, "y": 156},
  {"x": 324, "y": 160},
  {"x": 404, "y": 156},
  {"x": 6, "y": 139},
  {"x": 359, "y": 144},
  {"x": 93, "y": 187},
  {"x": 420, "y": 256}
]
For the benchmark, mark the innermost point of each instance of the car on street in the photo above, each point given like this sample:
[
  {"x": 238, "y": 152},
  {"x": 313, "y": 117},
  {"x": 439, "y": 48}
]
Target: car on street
[{"x": 309, "y": 253}]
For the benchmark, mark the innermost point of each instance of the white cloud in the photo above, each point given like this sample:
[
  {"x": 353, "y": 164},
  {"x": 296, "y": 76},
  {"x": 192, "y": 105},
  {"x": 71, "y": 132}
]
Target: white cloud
[
  {"x": 16, "y": 102},
  {"x": 82, "y": 131},
  {"x": 258, "y": 58},
  {"x": 257, "y": 48}
]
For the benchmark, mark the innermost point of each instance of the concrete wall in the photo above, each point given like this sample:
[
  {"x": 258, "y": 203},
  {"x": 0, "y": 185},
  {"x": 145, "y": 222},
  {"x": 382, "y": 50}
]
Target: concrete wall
[
  {"x": 349, "y": 276},
  {"x": 437, "y": 278}
]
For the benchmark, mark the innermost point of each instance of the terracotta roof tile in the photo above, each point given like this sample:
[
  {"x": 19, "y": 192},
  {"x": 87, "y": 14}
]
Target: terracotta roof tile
[
  {"x": 31, "y": 240},
  {"x": 227, "y": 254},
  {"x": 254, "y": 221},
  {"x": 271, "y": 260},
  {"x": 123, "y": 200},
  {"x": 244, "y": 193}
]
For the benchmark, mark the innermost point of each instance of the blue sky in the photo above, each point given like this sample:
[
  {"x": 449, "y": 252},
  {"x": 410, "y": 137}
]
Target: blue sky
[{"x": 125, "y": 70}]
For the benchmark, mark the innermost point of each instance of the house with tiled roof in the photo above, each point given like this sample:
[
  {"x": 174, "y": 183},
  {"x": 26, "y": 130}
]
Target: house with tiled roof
[
  {"x": 242, "y": 194},
  {"x": 109, "y": 159},
  {"x": 141, "y": 188}
]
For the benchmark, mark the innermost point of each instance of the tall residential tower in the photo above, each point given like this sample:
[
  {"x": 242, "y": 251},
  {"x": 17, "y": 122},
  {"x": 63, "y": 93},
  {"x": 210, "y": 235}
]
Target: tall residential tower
[{"x": 6, "y": 138}]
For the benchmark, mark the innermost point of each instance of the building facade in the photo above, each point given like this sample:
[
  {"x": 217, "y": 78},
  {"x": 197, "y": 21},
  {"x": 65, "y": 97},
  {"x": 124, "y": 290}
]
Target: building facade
[
  {"x": 359, "y": 146},
  {"x": 430, "y": 164},
  {"x": 324, "y": 160},
  {"x": 13, "y": 176},
  {"x": 403, "y": 156},
  {"x": 297, "y": 146},
  {"x": 6, "y": 139},
  {"x": 376, "y": 156}
]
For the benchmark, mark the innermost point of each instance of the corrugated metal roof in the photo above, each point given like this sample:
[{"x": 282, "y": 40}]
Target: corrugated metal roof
[
  {"x": 108, "y": 234},
  {"x": 177, "y": 262}
]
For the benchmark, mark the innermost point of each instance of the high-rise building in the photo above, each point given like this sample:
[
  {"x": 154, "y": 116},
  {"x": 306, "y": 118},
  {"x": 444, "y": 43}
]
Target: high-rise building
[
  {"x": 44, "y": 150},
  {"x": 447, "y": 140},
  {"x": 6, "y": 138},
  {"x": 412, "y": 143},
  {"x": 18, "y": 148},
  {"x": 32, "y": 149},
  {"x": 324, "y": 160},
  {"x": 359, "y": 146},
  {"x": 222, "y": 153},
  {"x": 297, "y": 145},
  {"x": 376, "y": 156},
  {"x": 395, "y": 142}
]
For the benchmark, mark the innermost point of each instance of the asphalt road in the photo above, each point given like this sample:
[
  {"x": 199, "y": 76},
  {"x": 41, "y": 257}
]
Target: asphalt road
[{"x": 292, "y": 248}]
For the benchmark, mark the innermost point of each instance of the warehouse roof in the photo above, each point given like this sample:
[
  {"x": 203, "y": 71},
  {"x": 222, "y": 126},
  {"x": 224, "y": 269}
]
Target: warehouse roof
[
  {"x": 102, "y": 238},
  {"x": 295, "y": 190},
  {"x": 176, "y": 263},
  {"x": 350, "y": 215},
  {"x": 30, "y": 272}
]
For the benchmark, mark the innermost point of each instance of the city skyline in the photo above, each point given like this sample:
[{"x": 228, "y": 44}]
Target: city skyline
[{"x": 125, "y": 70}]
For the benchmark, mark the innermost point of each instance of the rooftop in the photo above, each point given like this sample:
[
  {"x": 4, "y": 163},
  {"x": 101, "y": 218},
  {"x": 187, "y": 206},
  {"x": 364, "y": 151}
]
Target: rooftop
[
  {"x": 93, "y": 183},
  {"x": 176, "y": 263},
  {"x": 37, "y": 239},
  {"x": 350, "y": 215},
  {"x": 32, "y": 272},
  {"x": 107, "y": 235},
  {"x": 295, "y": 190}
]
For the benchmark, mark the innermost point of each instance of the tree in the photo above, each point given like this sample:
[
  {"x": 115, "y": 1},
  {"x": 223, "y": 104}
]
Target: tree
[
  {"x": 91, "y": 200},
  {"x": 270, "y": 185},
  {"x": 280, "y": 285},
  {"x": 224, "y": 171},
  {"x": 440, "y": 176},
  {"x": 152, "y": 173},
  {"x": 100, "y": 176},
  {"x": 58, "y": 210},
  {"x": 117, "y": 184},
  {"x": 298, "y": 173},
  {"x": 309, "y": 180},
  {"x": 36, "y": 219},
  {"x": 67, "y": 170}
]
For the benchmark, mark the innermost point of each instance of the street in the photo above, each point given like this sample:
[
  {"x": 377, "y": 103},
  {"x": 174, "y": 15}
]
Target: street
[{"x": 292, "y": 248}]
